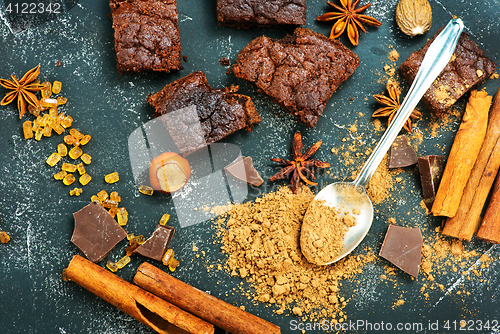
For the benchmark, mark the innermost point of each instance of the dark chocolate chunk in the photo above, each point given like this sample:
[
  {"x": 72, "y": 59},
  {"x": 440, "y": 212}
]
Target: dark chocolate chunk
[
  {"x": 96, "y": 233},
  {"x": 403, "y": 247},
  {"x": 157, "y": 244},
  {"x": 242, "y": 169},
  {"x": 431, "y": 169},
  {"x": 401, "y": 153}
]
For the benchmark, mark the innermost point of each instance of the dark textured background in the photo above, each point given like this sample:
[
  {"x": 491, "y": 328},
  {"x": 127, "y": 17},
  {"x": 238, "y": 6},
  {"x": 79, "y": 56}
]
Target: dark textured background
[{"x": 37, "y": 211}]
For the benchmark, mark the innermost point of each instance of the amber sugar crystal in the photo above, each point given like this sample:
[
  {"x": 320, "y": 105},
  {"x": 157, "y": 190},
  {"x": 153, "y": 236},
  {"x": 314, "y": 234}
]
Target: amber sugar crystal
[
  {"x": 112, "y": 266},
  {"x": 85, "y": 179},
  {"x": 61, "y": 175},
  {"x": 53, "y": 159},
  {"x": 122, "y": 216},
  {"x": 38, "y": 133},
  {"x": 58, "y": 128},
  {"x": 69, "y": 139},
  {"x": 67, "y": 121},
  {"x": 146, "y": 190},
  {"x": 56, "y": 87},
  {"x": 87, "y": 159},
  {"x": 164, "y": 219},
  {"x": 27, "y": 130},
  {"x": 85, "y": 140},
  {"x": 69, "y": 179},
  {"x": 61, "y": 100},
  {"x": 75, "y": 192},
  {"x": 112, "y": 178},
  {"x": 102, "y": 195},
  {"x": 48, "y": 102},
  {"x": 173, "y": 264},
  {"x": 68, "y": 167},
  {"x": 167, "y": 257},
  {"x": 75, "y": 133},
  {"x": 4, "y": 237},
  {"x": 62, "y": 150},
  {"x": 113, "y": 212},
  {"x": 123, "y": 262},
  {"x": 80, "y": 168},
  {"x": 46, "y": 90},
  {"x": 75, "y": 152},
  {"x": 115, "y": 197}
]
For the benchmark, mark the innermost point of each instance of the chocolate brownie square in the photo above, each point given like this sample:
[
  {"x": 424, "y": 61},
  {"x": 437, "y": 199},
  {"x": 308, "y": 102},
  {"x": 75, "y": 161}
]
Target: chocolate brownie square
[
  {"x": 299, "y": 72},
  {"x": 245, "y": 13},
  {"x": 468, "y": 67},
  {"x": 146, "y": 35},
  {"x": 197, "y": 115}
]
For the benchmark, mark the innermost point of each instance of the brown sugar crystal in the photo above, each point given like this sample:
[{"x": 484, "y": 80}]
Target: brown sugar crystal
[{"x": 261, "y": 240}]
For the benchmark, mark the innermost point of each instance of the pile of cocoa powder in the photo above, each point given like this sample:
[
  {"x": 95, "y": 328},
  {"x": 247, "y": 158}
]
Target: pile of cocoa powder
[{"x": 261, "y": 240}]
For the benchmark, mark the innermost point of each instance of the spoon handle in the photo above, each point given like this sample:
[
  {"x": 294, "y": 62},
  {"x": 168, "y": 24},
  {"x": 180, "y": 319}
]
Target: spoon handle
[{"x": 435, "y": 60}]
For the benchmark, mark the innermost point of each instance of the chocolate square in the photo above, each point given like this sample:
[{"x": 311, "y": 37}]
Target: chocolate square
[{"x": 96, "y": 233}]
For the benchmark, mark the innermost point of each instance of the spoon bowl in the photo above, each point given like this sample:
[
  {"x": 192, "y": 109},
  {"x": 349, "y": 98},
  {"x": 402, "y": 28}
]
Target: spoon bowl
[
  {"x": 352, "y": 196},
  {"x": 352, "y": 199}
]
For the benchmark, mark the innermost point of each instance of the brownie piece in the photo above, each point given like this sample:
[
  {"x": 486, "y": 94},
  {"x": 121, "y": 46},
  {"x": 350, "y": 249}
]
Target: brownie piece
[
  {"x": 245, "y": 13},
  {"x": 468, "y": 67},
  {"x": 299, "y": 72},
  {"x": 197, "y": 115},
  {"x": 146, "y": 35}
]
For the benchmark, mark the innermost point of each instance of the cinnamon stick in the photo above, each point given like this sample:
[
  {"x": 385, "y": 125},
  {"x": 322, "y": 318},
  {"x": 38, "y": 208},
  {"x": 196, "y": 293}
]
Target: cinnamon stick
[
  {"x": 463, "y": 155},
  {"x": 226, "y": 316},
  {"x": 145, "y": 307},
  {"x": 467, "y": 220},
  {"x": 490, "y": 227}
]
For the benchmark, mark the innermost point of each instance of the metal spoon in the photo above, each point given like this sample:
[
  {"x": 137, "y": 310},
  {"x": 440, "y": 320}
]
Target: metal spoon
[{"x": 352, "y": 195}]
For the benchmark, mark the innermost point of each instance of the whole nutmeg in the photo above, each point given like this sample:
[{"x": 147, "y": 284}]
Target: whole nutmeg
[{"x": 414, "y": 17}]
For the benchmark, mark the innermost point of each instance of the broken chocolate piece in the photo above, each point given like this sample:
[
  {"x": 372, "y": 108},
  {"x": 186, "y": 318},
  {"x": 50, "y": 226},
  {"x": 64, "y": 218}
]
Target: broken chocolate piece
[
  {"x": 401, "y": 153},
  {"x": 403, "y": 246},
  {"x": 96, "y": 233},
  {"x": 431, "y": 169},
  {"x": 157, "y": 244},
  {"x": 242, "y": 169}
]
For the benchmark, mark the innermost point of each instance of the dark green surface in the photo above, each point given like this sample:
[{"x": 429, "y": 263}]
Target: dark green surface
[{"x": 37, "y": 211}]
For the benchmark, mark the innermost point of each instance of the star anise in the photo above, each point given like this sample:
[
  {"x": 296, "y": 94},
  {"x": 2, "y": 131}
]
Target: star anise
[
  {"x": 22, "y": 89},
  {"x": 349, "y": 18},
  {"x": 300, "y": 167},
  {"x": 392, "y": 105}
]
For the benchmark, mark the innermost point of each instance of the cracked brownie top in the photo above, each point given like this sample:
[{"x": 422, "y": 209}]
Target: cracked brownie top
[
  {"x": 199, "y": 115},
  {"x": 244, "y": 13},
  {"x": 299, "y": 72},
  {"x": 146, "y": 35}
]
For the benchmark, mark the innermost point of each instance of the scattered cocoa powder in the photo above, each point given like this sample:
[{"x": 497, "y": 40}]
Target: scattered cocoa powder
[
  {"x": 380, "y": 184},
  {"x": 393, "y": 55},
  {"x": 261, "y": 240}
]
